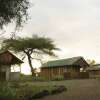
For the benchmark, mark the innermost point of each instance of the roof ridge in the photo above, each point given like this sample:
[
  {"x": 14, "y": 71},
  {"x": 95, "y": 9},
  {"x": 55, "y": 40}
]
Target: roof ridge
[
  {"x": 65, "y": 59},
  {"x": 60, "y": 62}
]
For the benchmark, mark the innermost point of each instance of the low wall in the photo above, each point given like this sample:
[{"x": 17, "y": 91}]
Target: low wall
[
  {"x": 94, "y": 74},
  {"x": 76, "y": 75}
]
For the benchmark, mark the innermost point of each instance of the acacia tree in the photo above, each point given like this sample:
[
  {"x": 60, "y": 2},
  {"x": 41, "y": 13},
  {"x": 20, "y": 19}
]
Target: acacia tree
[
  {"x": 30, "y": 46},
  {"x": 91, "y": 62},
  {"x": 13, "y": 10}
]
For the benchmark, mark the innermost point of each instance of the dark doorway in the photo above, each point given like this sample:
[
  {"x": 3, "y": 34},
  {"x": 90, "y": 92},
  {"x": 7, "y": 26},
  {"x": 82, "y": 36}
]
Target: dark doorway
[{"x": 2, "y": 76}]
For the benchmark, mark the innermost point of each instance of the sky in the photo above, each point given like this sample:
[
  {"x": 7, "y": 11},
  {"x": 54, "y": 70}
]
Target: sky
[{"x": 74, "y": 25}]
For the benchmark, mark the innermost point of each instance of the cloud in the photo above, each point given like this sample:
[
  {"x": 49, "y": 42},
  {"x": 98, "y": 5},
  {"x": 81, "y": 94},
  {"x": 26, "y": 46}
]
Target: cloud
[{"x": 73, "y": 24}]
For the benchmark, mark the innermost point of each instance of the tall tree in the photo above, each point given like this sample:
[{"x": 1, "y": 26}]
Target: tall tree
[
  {"x": 13, "y": 10},
  {"x": 29, "y": 46}
]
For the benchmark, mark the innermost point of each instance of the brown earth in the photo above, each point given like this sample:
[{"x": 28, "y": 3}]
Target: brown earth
[{"x": 88, "y": 89}]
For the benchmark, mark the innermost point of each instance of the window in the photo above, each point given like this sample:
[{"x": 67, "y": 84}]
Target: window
[{"x": 81, "y": 69}]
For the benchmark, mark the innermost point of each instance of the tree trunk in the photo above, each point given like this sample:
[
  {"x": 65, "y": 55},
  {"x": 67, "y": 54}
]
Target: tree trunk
[{"x": 30, "y": 64}]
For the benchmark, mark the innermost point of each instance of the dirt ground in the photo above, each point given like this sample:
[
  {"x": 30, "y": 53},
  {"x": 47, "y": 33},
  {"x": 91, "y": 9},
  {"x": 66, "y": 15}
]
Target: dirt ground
[{"x": 77, "y": 90}]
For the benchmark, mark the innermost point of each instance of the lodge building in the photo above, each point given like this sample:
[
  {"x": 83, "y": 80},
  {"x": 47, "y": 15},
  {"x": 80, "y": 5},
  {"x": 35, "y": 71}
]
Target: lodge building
[
  {"x": 94, "y": 71},
  {"x": 7, "y": 59},
  {"x": 70, "y": 68}
]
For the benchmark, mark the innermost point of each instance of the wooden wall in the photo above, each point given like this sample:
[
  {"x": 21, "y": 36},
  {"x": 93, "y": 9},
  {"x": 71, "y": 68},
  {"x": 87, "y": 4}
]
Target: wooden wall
[
  {"x": 67, "y": 72},
  {"x": 5, "y": 71},
  {"x": 94, "y": 74}
]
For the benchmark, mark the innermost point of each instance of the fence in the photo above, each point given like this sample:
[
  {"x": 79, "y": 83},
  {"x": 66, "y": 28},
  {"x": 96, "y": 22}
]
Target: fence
[{"x": 78, "y": 75}]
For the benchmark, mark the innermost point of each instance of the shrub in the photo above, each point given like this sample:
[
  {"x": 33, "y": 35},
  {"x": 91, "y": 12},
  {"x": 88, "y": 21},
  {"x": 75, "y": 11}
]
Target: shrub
[
  {"x": 38, "y": 78},
  {"x": 26, "y": 78},
  {"x": 31, "y": 92},
  {"x": 58, "y": 78},
  {"x": 27, "y": 91},
  {"x": 6, "y": 92}
]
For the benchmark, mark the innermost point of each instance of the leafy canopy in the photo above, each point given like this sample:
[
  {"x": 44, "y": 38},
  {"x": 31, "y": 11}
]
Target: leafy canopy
[
  {"x": 13, "y": 10},
  {"x": 30, "y": 45}
]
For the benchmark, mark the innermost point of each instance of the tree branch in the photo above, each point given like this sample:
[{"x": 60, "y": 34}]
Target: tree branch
[{"x": 37, "y": 59}]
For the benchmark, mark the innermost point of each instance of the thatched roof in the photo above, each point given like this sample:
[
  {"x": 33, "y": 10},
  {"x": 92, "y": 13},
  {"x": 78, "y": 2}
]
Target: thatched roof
[
  {"x": 7, "y": 58},
  {"x": 63, "y": 62}
]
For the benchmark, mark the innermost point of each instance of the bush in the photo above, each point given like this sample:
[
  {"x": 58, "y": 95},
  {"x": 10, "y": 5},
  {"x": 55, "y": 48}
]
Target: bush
[
  {"x": 16, "y": 91},
  {"x": 31, "y": 92},
  {"x": 58, "y": 78},
  {"x": 6, "y": 92},
  {"x": 38, "y": 78},
  {"x": 26, "y": 78}
]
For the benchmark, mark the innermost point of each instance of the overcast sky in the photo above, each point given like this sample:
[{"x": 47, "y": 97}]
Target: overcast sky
[{"x": 74, "y": 25}]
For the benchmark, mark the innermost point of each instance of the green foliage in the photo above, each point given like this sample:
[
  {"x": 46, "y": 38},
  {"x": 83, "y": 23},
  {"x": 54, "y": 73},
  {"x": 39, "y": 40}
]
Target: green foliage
[
  {"x": 26, "y": 78},
  {"x": 58, "y": 78},
  {"x": 40, "y": 78},
  {"x": 23, "y": 91},
  {"x": 29, "y": 78},
  {"x": 6, "y": 92},
  {"x": 13, "y": 10},
  {"x": 31, "y": 45}
]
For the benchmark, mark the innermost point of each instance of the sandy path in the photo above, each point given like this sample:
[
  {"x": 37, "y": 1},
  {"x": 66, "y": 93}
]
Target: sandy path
[{"x": 78, "y": 90}]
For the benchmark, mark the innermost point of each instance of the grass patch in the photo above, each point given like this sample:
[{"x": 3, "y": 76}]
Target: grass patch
[{"x": 17, "y": 91}]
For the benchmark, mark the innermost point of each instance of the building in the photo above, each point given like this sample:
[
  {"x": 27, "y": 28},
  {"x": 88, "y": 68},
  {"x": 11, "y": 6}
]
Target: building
[
  {"x": 6, "y": 60},
  {"x": 68, "y": 68},
  {"x": 94, "y": 71}
]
